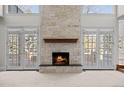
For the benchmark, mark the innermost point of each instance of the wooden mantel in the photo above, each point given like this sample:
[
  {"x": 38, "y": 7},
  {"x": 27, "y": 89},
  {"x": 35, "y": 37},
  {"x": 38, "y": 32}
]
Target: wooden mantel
[{"x": 60, "y": 40}]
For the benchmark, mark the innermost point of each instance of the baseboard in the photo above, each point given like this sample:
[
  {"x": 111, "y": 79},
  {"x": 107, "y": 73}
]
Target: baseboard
[
  {"x": 22, "y": 70},
  {"x": 2, "y": 69}
]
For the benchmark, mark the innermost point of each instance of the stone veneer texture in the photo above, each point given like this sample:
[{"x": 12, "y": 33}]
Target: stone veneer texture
[{"x": 60, "y": 22}]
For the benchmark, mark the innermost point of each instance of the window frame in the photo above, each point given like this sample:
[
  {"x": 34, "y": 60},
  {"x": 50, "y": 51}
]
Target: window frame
[
  {"x": 113, "y": 11},
  {"x": 23, "y": 14},
  {"x": 121, "y": 43}
]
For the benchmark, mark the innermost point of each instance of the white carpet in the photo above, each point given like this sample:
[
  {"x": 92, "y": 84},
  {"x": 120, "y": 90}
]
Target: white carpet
[{"x": 87, "y": 78}]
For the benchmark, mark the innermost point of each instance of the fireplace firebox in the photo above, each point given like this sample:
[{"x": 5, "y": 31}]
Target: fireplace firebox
[{"x": 60, "y": 58}]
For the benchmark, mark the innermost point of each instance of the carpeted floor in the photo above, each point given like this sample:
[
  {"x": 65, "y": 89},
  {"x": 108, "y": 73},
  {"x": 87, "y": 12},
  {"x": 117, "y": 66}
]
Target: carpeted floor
[{"x": 84, "y": 79}]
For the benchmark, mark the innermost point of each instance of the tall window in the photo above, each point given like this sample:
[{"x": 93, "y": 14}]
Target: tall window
[
  {"x": 1, "y": 10},
  {"x": 23, "y": 9},
  {"x": 121, "y": 42},
  {"x": 97, "y": 9}
]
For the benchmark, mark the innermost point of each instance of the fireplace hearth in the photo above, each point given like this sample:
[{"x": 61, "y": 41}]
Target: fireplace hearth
[{"x": 60, "y": 58}]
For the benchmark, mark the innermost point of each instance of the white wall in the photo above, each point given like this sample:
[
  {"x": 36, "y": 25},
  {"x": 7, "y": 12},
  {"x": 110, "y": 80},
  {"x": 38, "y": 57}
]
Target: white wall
[
  {"x": 121, "y": 33},
  {"x": 121, "y": 30},
  {"x": 14, "y": 20},
  {"x": 22, "y": 20},
  {"x": 98, "y": 20},
  {"x": 120, "y": 10},
  {"x": 103, "y": 21},
  {"x": 2, "y": 47},
  {"x": 121, "y": 27}
]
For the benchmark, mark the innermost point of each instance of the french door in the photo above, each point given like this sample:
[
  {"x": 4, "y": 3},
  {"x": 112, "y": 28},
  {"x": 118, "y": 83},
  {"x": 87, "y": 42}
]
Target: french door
[
  {"x": 22, "y": 48},
  {"x": 98, "y": 49}
]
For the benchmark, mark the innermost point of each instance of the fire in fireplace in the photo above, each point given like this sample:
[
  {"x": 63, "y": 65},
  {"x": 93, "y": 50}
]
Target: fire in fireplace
[{"x": 60, "y": 58}]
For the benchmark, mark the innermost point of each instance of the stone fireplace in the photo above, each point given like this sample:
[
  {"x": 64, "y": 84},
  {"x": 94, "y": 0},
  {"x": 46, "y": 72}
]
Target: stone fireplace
[
  {"x": 60, "y": 39},
  {"x": 60, "y": 58}
]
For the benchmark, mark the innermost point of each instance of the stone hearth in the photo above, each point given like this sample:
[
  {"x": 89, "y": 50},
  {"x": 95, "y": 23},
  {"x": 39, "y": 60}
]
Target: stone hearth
[
  {"x": 68, "y": 56},
  {"x": 70, "y": 68}
]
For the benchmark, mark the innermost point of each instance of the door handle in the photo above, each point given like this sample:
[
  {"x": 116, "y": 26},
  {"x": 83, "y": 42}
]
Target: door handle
[
  {"x": 94, "y": 58},
  {"x": 94, "y": 55}
]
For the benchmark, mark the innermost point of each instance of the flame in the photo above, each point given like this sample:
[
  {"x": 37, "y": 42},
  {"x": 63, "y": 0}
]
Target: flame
[{"x": 59, "y": 59}]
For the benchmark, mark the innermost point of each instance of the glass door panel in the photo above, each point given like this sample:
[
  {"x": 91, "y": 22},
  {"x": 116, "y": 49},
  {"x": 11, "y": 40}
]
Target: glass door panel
[
  {"x": 98, "y": 49},
  {"x": 90, "y": 49},
  {"x": 30, "y": 50},
  {"x": 22, "y": 49},
  {"x": 13, "y": 50},
  {"x": 105, "y": 49}
]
